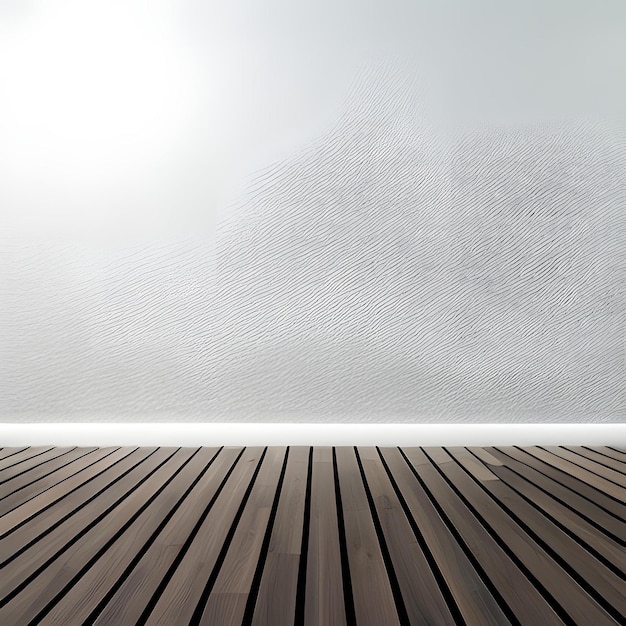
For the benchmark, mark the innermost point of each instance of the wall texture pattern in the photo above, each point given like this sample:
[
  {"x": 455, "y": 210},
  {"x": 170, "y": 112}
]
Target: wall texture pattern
[{"x": 395, "y": 269}]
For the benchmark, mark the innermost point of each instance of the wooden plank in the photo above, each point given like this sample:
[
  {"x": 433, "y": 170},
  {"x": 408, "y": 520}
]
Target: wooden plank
[
  {"x": 164, "y": 536},
  {"x": 7, "y": 452},
  {"x": 31, "y": 490},
  {"x": 66, "y": 525},
  {"x": 373, "y": 596},
  {"x": 88, "y": 587},
  {"x": 620, "y": 457},
  {"x": 41, "y": 472},
  {"x": 133, "y": 590},
  {"x": 423, "y": 598},
  {"x": 324, "y": 594},
  {"x": 28, "y": 465},
  {"x": 472, "y": 597},
  {"x": 566, "y": 595},
  {"x": 601, "y": 520},
  {"x": 38, "y": 517},
  {"x": 600, "y": 458},
  {"x": 236, "y": 573},
  {"x": 563, "y": 476},
  {"x": 36, "y": 581},
  {"x": 280, "y": 573},
  {"x": 601, "y": 546},
  {"x": 505, "y": 573},
  {"x": 587, "y": 572},
  {"x": 21, "y": 457},
  {"x": 176, "y": 600},
  {"x": 597, "y": 465},
  {"x": 584, "y": 475}
]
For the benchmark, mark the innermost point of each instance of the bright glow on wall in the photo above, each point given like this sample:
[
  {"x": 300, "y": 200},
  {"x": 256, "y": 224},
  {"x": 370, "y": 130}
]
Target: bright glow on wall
[
  {"x": 95, "y": 96},
  {"x": 267, "y": 434}
]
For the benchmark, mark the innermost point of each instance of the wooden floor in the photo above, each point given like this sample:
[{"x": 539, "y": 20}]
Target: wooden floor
[{"x": 312, "y": 536}]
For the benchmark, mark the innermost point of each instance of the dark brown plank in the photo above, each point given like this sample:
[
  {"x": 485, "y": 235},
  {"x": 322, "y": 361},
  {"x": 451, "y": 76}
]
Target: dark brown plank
[
  {"x": 563, "y": 487},
  {"x": 176, "y": 602},
  {"x": 373, "y": 596},
  {"x": 423, "y": 598},
  {"x": 501, "y": 568},
  {"x": 280, "y": 573},
  {"x": 471, "y": 595},
  {"x": 82, "y": 598},
  {"x": 589, "y": 574},
  {"x": 324, "y": 600},
  {"x": 601, "y": 469},
  {"x": 602, "y": 459},
  {"x": 7, "y": 452},
  {"x": 620, "y": 457},
  {"x": 559, "y": 458},
  {"x": 134, "y": 591},
  {"x": 40, "y": 472},
  {"x": 563, "y": 475},
  {"x": 618, "y": 449},
  {"x": 37, "y": 517},
  {"x": 21, "y": 473},
  {"x": 567, "y": 596},
  {"x": 584, "y": 533},
  {"x": 31, "y": 490},
  {"x": 63, "y": 520},
  {"x": 20, "y": 457},
  {"x": 442, "y": 536},
  {"x": 237, "y": 571},
  {"x": 54, "y": 566}
]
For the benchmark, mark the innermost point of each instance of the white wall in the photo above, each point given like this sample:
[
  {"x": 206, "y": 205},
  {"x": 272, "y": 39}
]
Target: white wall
[{"x": 312, "y": 211}]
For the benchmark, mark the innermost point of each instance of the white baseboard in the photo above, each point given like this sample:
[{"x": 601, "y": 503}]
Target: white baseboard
[{"x": 240, "y": 434}]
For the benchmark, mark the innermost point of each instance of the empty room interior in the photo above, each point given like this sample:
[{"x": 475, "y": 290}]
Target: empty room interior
[{"x": 312, "y": 313}]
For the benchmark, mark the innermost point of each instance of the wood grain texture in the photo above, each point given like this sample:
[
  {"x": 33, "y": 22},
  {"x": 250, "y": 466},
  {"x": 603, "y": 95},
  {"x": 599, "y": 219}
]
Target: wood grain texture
[
  {"x": 54, "y": 562},
  {"x": 602, "y": 459},
  {"x": 324, "y": 593},
  {"x": 571, "y": 464},
  {"x": 589, "y": 573},
  {"x": 609, "y": 453},
  {"x": 503, "y": 571},
  {"x": 13, "y": 465},
  {"x": 237, "y": 570},
  {"x": 564, "y": 488},
  {"x": 476, "y": 602},
  {"x": 280, "y": 571},
  {"x": 41, "y": 514},
  {"x": 111, "y": 565},
  {"x": 179, "y": 597},
  {"x": 80, "y": 460},
  {"x": 423, "y": 599},
  {"x": 581, "y": 459},
  {"x": 373, "y": 596},
  {"x": 300, "y": 535},
  {"x": 11, "y": 451},
  {"x": 140, "y": 583},
  {"x": 578, "y": 528},
  {"x": 557, "y": 468},
  {"x": 48, "y": 468},
  {"x": 563, "y": 590}
]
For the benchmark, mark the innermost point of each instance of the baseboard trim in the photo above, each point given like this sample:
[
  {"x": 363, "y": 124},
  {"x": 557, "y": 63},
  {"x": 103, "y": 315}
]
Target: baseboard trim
[{"x": 320, "y": 434}]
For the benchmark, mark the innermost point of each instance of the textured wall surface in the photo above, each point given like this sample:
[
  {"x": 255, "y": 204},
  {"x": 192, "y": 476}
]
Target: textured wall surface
[{"x": 396, "y": 268}]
